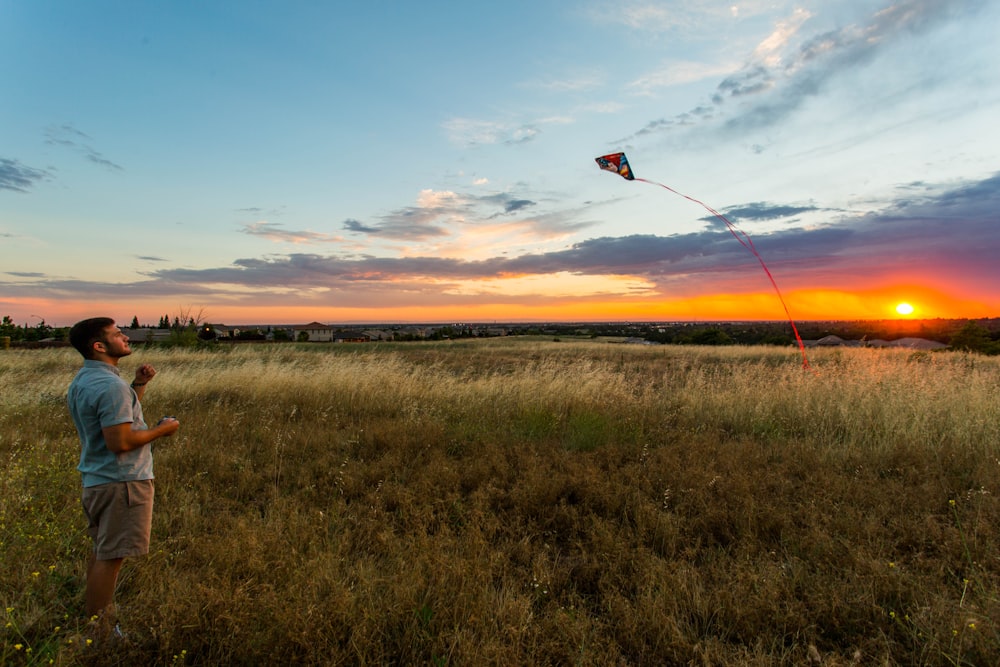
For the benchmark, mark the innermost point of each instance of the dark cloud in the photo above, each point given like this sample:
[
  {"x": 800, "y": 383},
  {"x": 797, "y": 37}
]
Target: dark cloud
[
  {"x": 505, "y": 202},
  {"x": 71, "y": 138},
  {"x": 17, "y": 177},
  {"x": 753, "y": 80},
  {"x": 517, "y": 205},
  {"x": 150, "y": 258},
  {"x": 761, "y": 211},
  {"x": 25, "y": 274},
  {"x": 352, "y": 225}
]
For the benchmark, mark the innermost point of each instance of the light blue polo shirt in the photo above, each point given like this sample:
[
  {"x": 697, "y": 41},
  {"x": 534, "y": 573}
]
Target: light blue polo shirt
[{"x": 98, "y": 397}]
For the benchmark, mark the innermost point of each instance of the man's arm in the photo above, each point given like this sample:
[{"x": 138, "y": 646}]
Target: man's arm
[
  {"x": 121, "y": 438},
  {"x": 143, "y": 375}
]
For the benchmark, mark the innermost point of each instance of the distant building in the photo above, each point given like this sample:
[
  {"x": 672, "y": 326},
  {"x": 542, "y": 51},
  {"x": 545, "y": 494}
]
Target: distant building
[
  {"x": 909, "y": 343},
  {"x": 147, "y": 335},
  {"x": 316, "y": 332}
]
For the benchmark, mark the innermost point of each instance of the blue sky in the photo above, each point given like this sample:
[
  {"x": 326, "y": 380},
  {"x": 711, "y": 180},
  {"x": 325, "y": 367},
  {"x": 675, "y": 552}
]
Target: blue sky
[{"x": 379, "y": 162}]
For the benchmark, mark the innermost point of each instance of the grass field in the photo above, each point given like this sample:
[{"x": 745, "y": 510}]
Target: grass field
[{"x": 524, "y": 502}]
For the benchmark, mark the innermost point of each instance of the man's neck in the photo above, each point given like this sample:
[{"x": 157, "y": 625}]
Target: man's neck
[{"x": 111, "y": 361}]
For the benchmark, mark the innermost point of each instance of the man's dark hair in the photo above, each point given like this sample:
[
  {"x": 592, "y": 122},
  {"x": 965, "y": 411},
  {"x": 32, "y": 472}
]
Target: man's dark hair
[{"x": 85, "y": 333}]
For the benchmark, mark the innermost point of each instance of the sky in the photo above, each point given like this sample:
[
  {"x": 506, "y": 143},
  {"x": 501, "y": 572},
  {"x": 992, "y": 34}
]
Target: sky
[{"x": 379, "y": 162}]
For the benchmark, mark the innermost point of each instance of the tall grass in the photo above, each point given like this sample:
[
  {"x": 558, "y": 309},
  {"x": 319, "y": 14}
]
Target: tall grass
[{"x": 525, "y": 502}]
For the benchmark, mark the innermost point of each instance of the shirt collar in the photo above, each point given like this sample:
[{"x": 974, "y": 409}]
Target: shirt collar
[{"x": 94, "y": 363}]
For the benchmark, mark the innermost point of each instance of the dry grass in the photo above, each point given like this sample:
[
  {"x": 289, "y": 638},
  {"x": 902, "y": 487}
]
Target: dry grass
[{"x": 518, "y": 502}]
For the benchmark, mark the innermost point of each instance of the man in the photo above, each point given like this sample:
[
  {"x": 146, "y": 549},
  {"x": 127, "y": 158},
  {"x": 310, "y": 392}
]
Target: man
[{"x": 116, "y": 461}]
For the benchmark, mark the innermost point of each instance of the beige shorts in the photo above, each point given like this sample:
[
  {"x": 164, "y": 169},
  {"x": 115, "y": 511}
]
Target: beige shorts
[{"x": 120, "y": 515}]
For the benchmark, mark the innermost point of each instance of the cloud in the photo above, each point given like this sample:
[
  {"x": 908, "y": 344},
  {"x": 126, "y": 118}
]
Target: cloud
[
  {"x": 470, "y": 133},
  {"x": 786, "y": 68},
  {"x": 438, "y": 214},
  {"x": 273, "y": 232},
  {"x": 352, "y": 225},
  {"x": 761, "y": 211},
  {"x": 676, "y": 73},
  {"x": 150, "y": 258},
  {"x": 946, "y": 232},
  {"x": 25, "y": 274},
  {"x": 517, "y": 205},
  {"x": 659, "y": 17},
  {"x": 951, "y": 227},
  {"x": 17, "y": 177},
  {"x": 69, "y": 137},
  {"x": 580, "y": 83},
  {"x": 428, "y": 219}
]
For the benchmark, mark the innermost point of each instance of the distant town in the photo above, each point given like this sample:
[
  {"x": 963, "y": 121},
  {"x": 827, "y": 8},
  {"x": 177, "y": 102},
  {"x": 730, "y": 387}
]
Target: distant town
[{"x": 978, "y": 335}]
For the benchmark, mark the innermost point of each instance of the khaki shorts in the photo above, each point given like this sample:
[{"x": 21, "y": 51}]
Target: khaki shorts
[{"x": 120, "y": 516}]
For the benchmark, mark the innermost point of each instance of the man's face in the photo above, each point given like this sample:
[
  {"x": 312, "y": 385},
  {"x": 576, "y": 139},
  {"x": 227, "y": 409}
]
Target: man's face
[{"x": 115, "y": 343}]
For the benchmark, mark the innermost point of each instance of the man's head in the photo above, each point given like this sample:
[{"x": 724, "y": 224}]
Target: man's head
[{"x": 99, "y": 337}]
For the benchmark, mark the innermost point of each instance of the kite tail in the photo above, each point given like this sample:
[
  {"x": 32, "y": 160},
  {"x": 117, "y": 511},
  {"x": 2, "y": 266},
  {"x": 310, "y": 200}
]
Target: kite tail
[{"x": 745, "y": 241}]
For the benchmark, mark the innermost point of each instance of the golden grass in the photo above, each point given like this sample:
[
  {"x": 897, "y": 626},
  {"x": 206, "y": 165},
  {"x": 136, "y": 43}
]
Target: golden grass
[{"x": 525, "y": 502}]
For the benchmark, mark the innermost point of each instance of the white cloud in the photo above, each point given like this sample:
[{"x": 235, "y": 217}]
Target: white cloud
[
  {"x": 768, "y": 51},
  {"x": 676, "y": 73}
]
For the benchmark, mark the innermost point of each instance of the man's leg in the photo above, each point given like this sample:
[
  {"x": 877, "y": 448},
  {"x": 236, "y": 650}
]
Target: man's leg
[{"x": 102, "y": 577}]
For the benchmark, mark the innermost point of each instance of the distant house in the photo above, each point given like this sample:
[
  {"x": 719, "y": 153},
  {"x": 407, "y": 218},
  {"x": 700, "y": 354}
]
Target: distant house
[
  {"x": 412, "y": 332},
  {"x": 316, "y": 332},
  {"x": 349, "y": 337},
  {"x": 376, "y": 334},
  {"x": 147, "y": 335},
  {"x": 836, "y": 341},
  {"x": 909, "y": 343}
]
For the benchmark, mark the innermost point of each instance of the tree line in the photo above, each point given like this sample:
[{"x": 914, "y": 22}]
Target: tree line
[{"x": 982, "y": 335}]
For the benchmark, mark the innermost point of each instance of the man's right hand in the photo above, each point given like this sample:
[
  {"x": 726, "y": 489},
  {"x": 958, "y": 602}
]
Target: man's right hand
[{"x": 168, "y": 426}]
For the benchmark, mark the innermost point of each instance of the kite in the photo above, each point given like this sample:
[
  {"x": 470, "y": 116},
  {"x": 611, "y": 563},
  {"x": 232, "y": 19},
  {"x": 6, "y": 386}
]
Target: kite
[{"x": 618, "y": 163}]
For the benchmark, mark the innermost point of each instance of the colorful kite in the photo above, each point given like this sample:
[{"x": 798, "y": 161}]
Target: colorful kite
[{"x": 617, "y": 163}]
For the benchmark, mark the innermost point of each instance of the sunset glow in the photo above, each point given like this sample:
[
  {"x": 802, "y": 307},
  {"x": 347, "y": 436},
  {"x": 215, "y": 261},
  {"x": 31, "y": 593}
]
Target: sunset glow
[
  {"x": 248, "y": 176},
  {"x": 524, "y": 307}
]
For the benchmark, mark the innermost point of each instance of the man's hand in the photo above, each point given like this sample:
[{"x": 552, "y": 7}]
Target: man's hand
[
  {"x": 143, "y": 374},
  {"x": 167, "y": 426},
  {"x": 121, "y": 438}
]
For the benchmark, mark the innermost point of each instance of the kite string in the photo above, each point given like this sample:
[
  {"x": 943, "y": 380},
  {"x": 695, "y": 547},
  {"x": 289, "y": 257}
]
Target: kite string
[{"x": 745, "y": 241}]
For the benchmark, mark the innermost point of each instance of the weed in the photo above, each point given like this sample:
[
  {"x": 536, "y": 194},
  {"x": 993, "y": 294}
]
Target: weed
[{"x": 519, "y": 502}]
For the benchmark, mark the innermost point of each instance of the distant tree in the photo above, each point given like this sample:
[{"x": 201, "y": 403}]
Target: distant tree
[
  {"x": 8, "y": 328},
  {"x": 303, "y": 337},
  {"x": 974, "y": 337},
  {"x": 164, "y": 322},
  {"x": 135, "y": 322},
  {"x": 281, "y": 335},
  {"x": 251, "y": 334},
  {"x": 39, "y": 332},
  {"x": 710, "y": 337}
]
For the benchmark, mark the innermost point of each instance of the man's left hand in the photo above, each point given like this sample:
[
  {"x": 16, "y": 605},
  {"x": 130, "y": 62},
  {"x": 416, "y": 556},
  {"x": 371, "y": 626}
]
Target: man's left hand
[{"x": 144, "y": 374}]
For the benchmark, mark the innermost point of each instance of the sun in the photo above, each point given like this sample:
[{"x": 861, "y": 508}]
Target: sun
[{"x": 904, "y": 309}]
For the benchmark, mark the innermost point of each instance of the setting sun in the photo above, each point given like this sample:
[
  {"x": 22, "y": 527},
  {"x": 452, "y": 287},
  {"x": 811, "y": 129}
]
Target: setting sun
[{"x": 904, "y": 309}]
